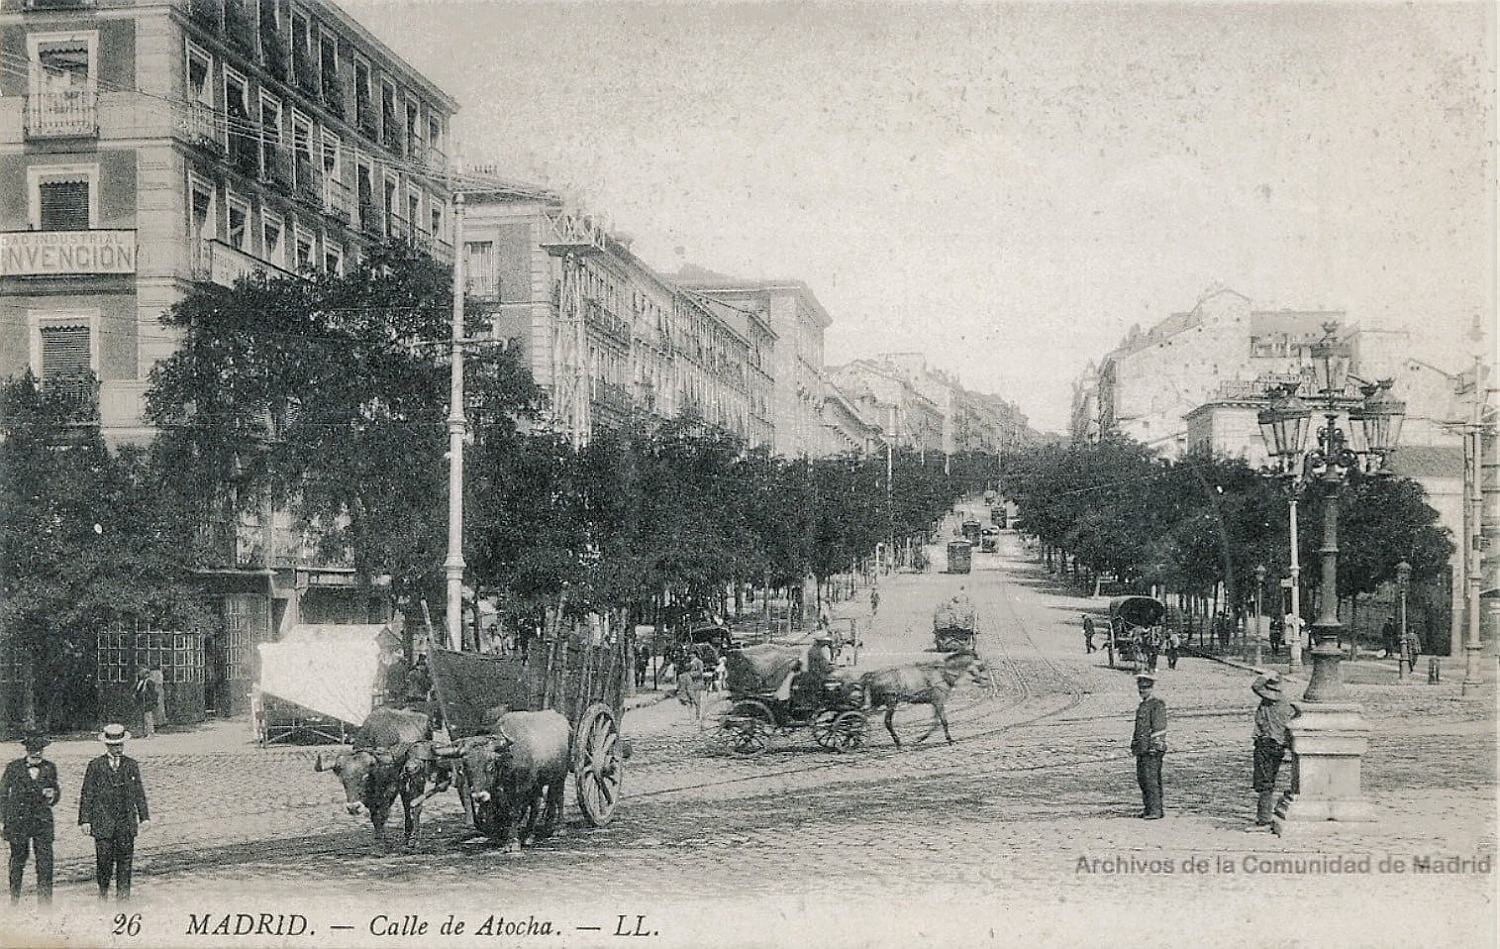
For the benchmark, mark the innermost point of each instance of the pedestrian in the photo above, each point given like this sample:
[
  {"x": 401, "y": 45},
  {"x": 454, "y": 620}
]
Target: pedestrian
[
  {"x": 1389, "y": 641},
  {"x": 695, "y": 672},
  {"x": 1221, "y": 630},
  {"x": 1149, "y": 745},
  {"x": 1271, "y": 718},
  {"x": 721, "y": 671},
  {"x": 874, "y": 600},
  {"x": 111, "y": 808},
  {"x": 1088, "y": 633},
  {"x": 28, "y": 792},
  {"x": 1411, "y": 648},
  {"x": 1151, "y": 641},
  {"x": 1278, "y": 634},
  {"x": 642, "y": 663},
  {"x": 145, "y": 700},
  {"x": 1174, "y": 647},
  {"x": 418, "y": 684}
]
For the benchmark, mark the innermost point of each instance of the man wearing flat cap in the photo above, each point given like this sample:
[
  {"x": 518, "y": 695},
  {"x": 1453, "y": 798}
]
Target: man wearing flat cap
[
  {"x": 111, "y": 806},
  {"x": 1149, "y": 745},
  {"x": 1271, "y": 718},
  {"x": 28, "y": 792}
]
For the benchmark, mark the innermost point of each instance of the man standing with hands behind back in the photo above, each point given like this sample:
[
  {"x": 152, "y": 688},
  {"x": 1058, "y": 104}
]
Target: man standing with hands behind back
[
  {"x": 112, "y": 801},
  {"x": 28, "y": 792}
]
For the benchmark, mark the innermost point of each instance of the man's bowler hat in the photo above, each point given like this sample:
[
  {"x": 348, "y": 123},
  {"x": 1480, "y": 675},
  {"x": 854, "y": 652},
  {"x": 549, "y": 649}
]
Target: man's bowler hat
[{"x": 35, "y": 741}]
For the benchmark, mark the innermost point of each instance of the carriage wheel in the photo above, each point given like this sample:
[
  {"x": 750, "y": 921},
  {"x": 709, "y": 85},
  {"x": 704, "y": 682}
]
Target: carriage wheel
[
  {"x": 747, "y": 728},
  {"x": 598, "y": 768},
  {"x": 850, "y": 730},
  {"x": 822, "y": 728}
]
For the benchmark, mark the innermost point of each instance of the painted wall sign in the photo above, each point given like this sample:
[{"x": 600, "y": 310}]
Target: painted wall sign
[{"x": 53, "y": 253}]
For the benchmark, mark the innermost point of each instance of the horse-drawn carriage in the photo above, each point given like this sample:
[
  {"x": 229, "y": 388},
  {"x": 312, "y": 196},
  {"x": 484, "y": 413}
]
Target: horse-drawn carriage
[
  {"x": 582, "y": 680},
  {"x": 1134, "y": 630},
  {"x": 769, "y": 696},
  {"x": 953, "y": 626}
]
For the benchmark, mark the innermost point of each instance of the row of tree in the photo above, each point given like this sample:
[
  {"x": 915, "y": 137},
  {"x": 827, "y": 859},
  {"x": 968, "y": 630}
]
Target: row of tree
[{"x": 1200, "y": 524}]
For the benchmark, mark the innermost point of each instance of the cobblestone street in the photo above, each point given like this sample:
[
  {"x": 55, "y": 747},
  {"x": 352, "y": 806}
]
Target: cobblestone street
[{"x": 1023, "y": 825}]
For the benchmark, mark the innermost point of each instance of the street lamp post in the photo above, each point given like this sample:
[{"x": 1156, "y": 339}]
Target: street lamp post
[
  {"x": 1403, "y": 664},
  {"x": 1329, "y": 732},
  {"x": 1260, "y": 585}
]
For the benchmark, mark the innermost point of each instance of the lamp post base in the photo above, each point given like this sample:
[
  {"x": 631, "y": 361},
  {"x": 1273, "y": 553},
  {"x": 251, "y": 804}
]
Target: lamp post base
[
  {"x": 1328, "y": 740},
  {"x": 1473, "y": 684}
]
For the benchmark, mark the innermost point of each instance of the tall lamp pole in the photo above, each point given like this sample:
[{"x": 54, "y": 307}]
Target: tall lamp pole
[
  {"x": 1329, "y": 733},
  {"x": 453, "y": 565}
]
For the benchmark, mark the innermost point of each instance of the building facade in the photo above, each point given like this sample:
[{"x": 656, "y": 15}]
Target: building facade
[
  {"x": 602, "y": 332},
  {"x": 147, "y": 147}
]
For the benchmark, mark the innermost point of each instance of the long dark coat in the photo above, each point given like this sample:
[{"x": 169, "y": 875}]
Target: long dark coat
[
  {"x": 113, "y": 801},
  {"x": 25, "y": 811}
]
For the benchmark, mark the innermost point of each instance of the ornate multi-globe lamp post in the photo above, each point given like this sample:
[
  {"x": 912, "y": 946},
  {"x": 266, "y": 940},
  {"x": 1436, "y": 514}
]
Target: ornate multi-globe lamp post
[{"x": 1328, "y": 734}]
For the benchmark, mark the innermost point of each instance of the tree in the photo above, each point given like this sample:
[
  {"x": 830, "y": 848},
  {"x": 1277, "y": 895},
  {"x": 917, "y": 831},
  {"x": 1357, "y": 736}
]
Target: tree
[
  {"x": 328, "y": 397},
  {"x": 88, "y": 542}
]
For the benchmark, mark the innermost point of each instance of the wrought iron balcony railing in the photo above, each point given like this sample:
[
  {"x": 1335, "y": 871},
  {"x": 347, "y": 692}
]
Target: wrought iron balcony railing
[{"x": 70, "y": 114}]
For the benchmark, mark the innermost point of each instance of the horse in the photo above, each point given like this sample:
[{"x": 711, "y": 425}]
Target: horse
[{"x": 922, "y": 684}]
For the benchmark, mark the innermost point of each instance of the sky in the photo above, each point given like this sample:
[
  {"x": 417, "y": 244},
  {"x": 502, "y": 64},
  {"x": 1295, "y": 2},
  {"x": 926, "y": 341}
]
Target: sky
[{"x": 1006, "y": 187}]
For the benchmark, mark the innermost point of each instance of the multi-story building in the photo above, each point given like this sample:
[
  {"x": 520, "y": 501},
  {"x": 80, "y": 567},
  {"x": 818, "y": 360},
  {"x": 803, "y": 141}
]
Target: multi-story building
[
  {"x": 885, "y": 398},
  {"x": 1147, "y": 385},
  {"x": 795, "y": 321},
  {"x": 603, "y": 334},
  {"x": 146, "y": 147},
  {"x": 845, "y": 429}
]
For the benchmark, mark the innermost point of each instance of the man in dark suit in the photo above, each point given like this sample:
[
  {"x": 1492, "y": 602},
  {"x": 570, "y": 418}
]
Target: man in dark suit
[
  {"x": 113, "y": 800},
  {"x": 1149, "y": 745},
  {"x": 28, "y": 792}
]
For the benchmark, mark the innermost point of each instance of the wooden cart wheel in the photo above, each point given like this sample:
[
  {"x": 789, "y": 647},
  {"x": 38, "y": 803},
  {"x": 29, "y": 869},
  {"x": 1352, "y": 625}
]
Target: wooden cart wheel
[
  {"x": 822, "y": 728},
  {"x": 747, "y": 728},
  {"x": 598, "y": 768},
  {"x": 850, "y": 729}
]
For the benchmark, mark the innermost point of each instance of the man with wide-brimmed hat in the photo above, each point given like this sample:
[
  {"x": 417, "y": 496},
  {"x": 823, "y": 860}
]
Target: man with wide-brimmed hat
[
  {"x": 1149, "y": 745},
  {"x": 28, "y": 792},
  {"x": 111, "y": 807},
  {"x": 1271, "y": 718}
]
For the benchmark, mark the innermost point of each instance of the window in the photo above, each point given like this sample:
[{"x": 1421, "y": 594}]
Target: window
[
  {"x": 201, "y": 211},
  {"x": 303, "y": 68},
  {"x": 63, "y": 197},
  {"x": 480, "y": 269},
  {"x": 239, "y": 223},
  {"x": 306, "y": 252},
  {"x": 413, "y": 127},
  {"x": 434, "y": 133},
  {"x": 364, "y": 111},
  {"x": 335, "y": 192},
  {"x": 273, "y": 239},
  {"x": 273, "y": 156},
  {"x": 304, "y": 175},
  {"x": 200, "y": 73},
  {"x": 333, "y": 258},
  {"x": 64, "y": 346},
  {"x": 413, "y": 211},
  {"x": 389, "y": 125},
  {"x": 63, "y": 71},
  {"x": 328, "y": 58},
  {"x": 364, "y": 181},
  {"x": 244, "y": 142},
  {"x": 437, "y": 217},
  {"x": 393, "y": 223}
]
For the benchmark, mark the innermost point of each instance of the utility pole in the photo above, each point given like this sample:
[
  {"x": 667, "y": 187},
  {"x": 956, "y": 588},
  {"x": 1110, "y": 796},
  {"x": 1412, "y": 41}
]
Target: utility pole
[
  {"x": 453, "y": 565},
  {"x": 1474, "y": 539}
]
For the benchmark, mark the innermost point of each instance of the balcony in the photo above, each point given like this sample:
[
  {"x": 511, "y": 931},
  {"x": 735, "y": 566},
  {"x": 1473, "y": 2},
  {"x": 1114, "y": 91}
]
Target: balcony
[
  {"x": 436, "y": 248},
  {"x": 333, "y": 94},
  {"x": 608, "y": 395},
  {"x": 202, "y": 125},
  {"x": 71, "y": 114},
  {"x": 338, "y": 202},
  {"x": 277, "y": 164},
  {"x": 309, "y": 182},
  {"x": 433, "y": 158},
  {"x": 217, "y": 262},
  {"x": 597, "y": 316},
  {"x": 371, "y": 220},
  {"x": 365, "y": 118},
  {"x": 244, "y": 153},
  {"x": 391, "y": 134},
  {"x": 60, "y": 4}
]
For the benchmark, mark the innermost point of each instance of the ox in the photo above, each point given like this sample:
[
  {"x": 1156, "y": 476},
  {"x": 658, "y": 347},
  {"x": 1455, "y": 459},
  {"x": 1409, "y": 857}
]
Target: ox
[
  {"x": 392, "y": 756},
  {"x": 515, "y": 774},
  {"x": 927, "y": 684}
]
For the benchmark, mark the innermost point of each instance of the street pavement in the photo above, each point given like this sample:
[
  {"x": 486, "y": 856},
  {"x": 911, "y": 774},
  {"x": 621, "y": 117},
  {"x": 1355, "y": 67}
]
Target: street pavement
[{"x": 1022, "y": 830}]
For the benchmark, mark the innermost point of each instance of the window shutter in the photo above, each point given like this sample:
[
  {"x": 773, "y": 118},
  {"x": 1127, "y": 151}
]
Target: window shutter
[
  {"x": 65, "y": 352},
  {"x": 64, "y": 205}
]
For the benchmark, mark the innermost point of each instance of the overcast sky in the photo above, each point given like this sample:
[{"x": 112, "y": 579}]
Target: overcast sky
[{"x": 1006, "y": 187}]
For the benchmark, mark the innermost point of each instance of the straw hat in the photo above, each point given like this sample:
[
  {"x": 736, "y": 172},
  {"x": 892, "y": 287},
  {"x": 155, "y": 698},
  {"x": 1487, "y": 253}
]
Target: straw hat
[{"x": 114, "y": 734}]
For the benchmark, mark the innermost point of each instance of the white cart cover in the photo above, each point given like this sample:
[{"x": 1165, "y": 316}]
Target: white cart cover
[{"x": 332, "y": 670}]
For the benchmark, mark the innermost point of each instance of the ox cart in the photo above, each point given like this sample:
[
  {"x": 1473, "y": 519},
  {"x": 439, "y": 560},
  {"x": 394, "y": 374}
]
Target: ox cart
[
  {"x": 1135, "y": 630},
  {"x": 584, "y": 681},
  {"x": 769, "y": 696}
]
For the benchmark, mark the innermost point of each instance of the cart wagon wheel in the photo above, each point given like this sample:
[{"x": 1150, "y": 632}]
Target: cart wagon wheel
[
  {"x": 822, "y": 728},
  {"x": 747, "y": 728},
  {"x": 598, "y": 767},
  {"x": 850, "y": 730}
]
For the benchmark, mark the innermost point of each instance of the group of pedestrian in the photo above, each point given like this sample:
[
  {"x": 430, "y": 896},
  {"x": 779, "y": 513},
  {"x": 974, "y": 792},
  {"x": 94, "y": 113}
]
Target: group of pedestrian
[
  {"x": 112, "y": 809},
  {"x": 1148, "y": 744},
  {"x": 1153, "y": 642}
]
